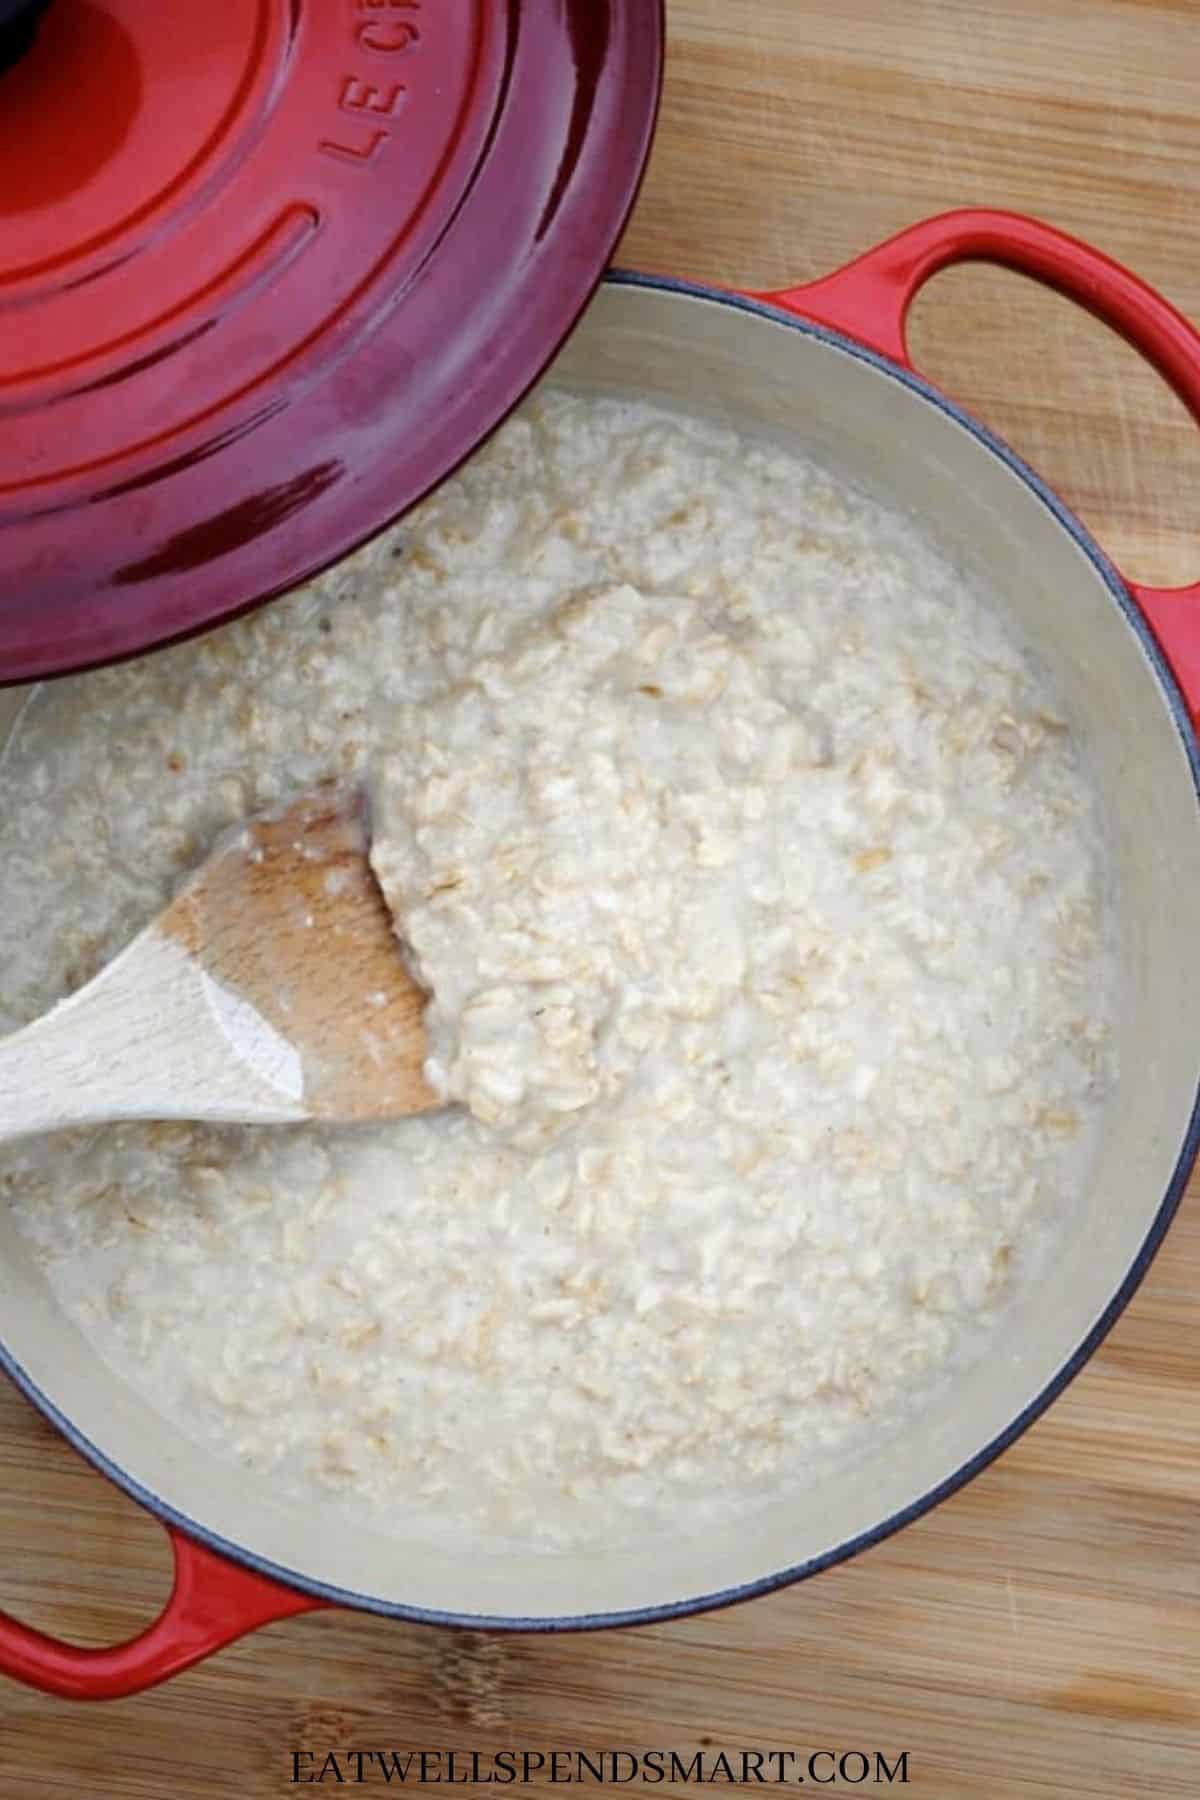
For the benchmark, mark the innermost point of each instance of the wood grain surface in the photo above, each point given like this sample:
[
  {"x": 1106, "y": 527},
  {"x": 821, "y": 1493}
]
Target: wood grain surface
[{"x": 1040, "y": 1633}]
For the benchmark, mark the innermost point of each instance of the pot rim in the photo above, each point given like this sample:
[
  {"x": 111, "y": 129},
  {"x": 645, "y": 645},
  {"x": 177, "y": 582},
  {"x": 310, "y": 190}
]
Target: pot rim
[{"x": 1033, "y": 1410}]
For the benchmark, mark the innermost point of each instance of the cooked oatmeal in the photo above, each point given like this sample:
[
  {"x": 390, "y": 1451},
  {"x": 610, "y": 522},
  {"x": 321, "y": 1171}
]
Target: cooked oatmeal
[{"x": 760, "y": 888}]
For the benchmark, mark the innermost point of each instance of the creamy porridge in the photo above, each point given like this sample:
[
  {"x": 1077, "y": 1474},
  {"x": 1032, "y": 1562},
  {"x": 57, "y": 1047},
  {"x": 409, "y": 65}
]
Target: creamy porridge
[{"x": 761, "y": 892}]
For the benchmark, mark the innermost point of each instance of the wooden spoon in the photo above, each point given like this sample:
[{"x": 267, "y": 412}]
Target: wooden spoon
[{"x": 273, "y": 988}]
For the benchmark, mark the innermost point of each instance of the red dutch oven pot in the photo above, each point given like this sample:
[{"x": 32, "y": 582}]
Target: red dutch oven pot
[{"x": 825, "y": 366}]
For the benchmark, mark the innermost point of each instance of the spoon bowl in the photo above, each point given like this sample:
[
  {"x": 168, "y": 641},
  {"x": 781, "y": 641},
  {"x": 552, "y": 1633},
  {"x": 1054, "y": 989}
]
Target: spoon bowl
[{"x": 272, "y": 989}]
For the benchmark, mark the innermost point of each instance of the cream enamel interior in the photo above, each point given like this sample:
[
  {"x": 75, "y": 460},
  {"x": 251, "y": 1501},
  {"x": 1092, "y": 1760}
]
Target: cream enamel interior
[{"x": 760, "y": 375}]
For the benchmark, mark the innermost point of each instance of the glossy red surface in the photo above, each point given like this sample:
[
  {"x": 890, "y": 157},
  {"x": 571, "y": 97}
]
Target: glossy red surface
[
  {"x": 213, "y": 1602},
  {"x": 268, "y": 270}
]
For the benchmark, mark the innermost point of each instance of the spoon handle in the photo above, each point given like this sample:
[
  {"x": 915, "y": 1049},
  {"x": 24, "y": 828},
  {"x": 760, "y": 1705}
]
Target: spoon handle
[{"x": 154, "y": 1036}]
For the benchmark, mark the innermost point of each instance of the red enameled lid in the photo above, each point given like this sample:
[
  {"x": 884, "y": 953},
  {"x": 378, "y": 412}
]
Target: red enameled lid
[{"x": 268, "y": 270}]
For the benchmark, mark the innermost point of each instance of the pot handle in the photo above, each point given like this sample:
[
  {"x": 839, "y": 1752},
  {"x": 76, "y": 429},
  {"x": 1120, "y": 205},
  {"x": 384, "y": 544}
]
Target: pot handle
[
  {"x": 212, "y": 1603},
  {"x": 869, "y": 299}
]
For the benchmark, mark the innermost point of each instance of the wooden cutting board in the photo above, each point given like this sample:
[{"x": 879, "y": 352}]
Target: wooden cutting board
[{"x": 1040, "y": 1633}]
